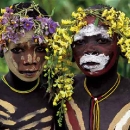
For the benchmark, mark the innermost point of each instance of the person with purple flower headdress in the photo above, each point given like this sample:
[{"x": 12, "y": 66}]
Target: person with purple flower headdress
[{"x": 26, "y": 30}]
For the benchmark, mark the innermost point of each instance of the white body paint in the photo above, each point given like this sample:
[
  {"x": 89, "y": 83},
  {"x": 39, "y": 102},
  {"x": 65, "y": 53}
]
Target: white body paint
[
  {"x": 123, "y": 121},
  {"x": 100, "y": 59},
  {"x": 91, "y": 30}
]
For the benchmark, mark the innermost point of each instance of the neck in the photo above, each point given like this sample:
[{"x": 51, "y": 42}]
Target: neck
[
  {"x": 101, "y": 84},
  {"x": 17, "y": 83}
]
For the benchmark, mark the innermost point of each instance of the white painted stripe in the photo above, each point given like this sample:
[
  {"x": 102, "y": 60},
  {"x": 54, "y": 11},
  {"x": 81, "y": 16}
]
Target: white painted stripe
[
  {"x": 123, "y": 121},
  {"x": 91, "y": 30}
]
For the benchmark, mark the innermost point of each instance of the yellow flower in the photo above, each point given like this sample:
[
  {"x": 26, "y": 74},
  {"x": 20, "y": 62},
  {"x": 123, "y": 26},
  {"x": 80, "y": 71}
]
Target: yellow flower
[
  {"x": 120, "y": 24},
  {"x": 75, "y": 15},
  {"x": 121, "y": 40},
  {"x": 63, "y": 94},
  {"x": 47, "y": 58},
  {"x": 60, "y": 85},
  {"x": 80, "y": 9},
  {"x": 54, "y": 103},
  {"x": 104, "y": 13},
  {"x": 109, "y": 17},
  {"x": 113, "y": 24},
  {"x": 110, "y": 32},
  {"x": 3, "y": 11},
  {"x": 66, "y": 21},
  {"x": 60, "y": 57},
  {"x": 127, "y": 41},
  {"x": 73, "y": 29}
]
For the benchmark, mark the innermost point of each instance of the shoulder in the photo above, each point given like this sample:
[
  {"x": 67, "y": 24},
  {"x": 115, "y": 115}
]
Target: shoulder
[
  {"x": 124, "y": 87},
  {"x": 125, "y": 80}
]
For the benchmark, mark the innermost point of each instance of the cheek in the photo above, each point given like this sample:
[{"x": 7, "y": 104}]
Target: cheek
[
  {"x": 77, "y": 53},
  {"x": 40, "y": 57},
  {"x": 17, "y": 59}
]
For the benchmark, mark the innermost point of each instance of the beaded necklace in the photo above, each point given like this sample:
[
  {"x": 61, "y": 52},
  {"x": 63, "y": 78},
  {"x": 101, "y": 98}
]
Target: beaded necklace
[
  {"x": 19, "y": 91},
  {"x": 95, "y": 110}
]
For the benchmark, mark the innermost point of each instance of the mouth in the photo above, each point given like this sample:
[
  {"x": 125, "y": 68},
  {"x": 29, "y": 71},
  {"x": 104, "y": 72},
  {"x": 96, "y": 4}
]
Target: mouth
[
  {"x": 29, "y": 73},
  {"x": 90, "y": 63}
]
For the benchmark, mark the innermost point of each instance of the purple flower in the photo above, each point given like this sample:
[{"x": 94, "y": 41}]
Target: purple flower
[
  {"x": 4, "y": 21},
  {"x": 43, "y": 21},
  {"x": 39, "y": 38},
  {"x": 9, "y": 10},
  {"x": 52, "y": 26},
  {"x": 27, "y": 23}
]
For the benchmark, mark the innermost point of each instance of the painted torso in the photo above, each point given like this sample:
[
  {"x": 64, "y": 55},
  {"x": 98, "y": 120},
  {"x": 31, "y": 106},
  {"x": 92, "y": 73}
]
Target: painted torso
[
  {"x": 114, "y": 110},
  {"x": 25, "y": 111}
]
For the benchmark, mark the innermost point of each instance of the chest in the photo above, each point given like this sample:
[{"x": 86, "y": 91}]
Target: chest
[
  {"x": 25, "y": 111},
  {"x": 111, "y": 111}
]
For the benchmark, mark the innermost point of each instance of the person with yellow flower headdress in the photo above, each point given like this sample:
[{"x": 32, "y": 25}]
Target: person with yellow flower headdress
[
  {"x": 101, "y": 95},
  {"x": 25, "y": 34}
]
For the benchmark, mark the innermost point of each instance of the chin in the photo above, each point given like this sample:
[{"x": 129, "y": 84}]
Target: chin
[{"x": 28, "y": 76}]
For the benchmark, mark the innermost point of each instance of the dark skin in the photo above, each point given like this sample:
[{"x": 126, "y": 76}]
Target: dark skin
[
  {"x": 18, "y": 83},
  {"x": 95, "y": 45}
]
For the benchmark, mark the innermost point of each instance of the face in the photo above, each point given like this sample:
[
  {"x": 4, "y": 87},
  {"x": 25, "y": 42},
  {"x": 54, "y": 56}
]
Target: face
[
  {"x": 26, "y": 58},
  {"x": 94, "y": 51}
]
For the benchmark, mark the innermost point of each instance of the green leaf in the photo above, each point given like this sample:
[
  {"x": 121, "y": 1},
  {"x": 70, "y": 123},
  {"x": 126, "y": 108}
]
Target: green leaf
[{"x": 96, "y": 21}]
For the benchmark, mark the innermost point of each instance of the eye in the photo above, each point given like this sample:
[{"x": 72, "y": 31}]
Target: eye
[
  {"x": 80, "y": 42},
  {"x": 17, "y": 50},
  {"x": 103, "y": 41},
  {"x": 40, "y": 49}
]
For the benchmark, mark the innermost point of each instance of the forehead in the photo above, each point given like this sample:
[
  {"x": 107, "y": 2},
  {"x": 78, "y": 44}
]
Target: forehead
[
  {"x": 27, "y": 37},
  {"x": 92, "y": 30},
  {"x": 25, "y": 40},
  {"x": 91, "y": 20}
]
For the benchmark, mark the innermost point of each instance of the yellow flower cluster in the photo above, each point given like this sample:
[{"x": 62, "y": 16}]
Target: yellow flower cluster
[
  {"x": 58, "y": 72},
  {"x": 120, "y": 24},
  {"x": 78, "y": 20},
  {"x": 116, "y": 20}
]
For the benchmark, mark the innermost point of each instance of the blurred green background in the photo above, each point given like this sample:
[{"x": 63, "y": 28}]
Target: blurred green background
[{"x": 62, "y": 9}]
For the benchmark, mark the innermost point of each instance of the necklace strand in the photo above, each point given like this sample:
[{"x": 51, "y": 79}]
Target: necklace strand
[
  {"x": 19, "y": 91},
  {"x": 95, "y": 110}
]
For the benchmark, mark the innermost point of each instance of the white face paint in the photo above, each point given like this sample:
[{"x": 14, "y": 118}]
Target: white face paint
[
  {"x": 91, "y": 30},
  {"x": 98, "y": 62}
]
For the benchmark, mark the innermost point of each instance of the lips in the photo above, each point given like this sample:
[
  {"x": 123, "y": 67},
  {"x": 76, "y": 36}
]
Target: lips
[{"x": 29, "y": 73}]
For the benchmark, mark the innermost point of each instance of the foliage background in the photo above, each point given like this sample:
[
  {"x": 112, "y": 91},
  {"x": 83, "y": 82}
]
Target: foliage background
[{"x": 62, "y": 9}]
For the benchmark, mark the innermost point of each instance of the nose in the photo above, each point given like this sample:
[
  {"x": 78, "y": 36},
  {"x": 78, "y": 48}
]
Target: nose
[
  {"x": 30, "y": 59},
  {"x": 91, "y": 49}
]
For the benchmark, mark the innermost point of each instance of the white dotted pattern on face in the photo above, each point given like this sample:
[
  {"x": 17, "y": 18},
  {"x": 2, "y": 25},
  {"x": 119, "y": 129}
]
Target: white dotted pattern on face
[
  {"x": 91, "y": 30},
  {"x": 101, "y": 60}
]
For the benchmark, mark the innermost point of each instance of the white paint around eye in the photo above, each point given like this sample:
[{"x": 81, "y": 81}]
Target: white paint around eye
[
  {"x": 101, "y": 59},
  {"x": 123, "y": 121},
  {"x": 91, "y": 30}
]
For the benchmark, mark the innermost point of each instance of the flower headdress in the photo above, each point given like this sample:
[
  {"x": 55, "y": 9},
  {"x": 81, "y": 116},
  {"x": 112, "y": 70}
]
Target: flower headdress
[
  {"x": 116, "y": 20},
  {"x": 16, "y": 24},
  {"x": 58, "y": 50}
]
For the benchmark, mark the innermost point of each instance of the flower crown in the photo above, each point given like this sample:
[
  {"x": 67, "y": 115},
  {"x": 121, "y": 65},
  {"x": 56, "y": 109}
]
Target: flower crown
[
  {"x": 116, "y": 20},
  {"x": 13, "y": 25}
]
